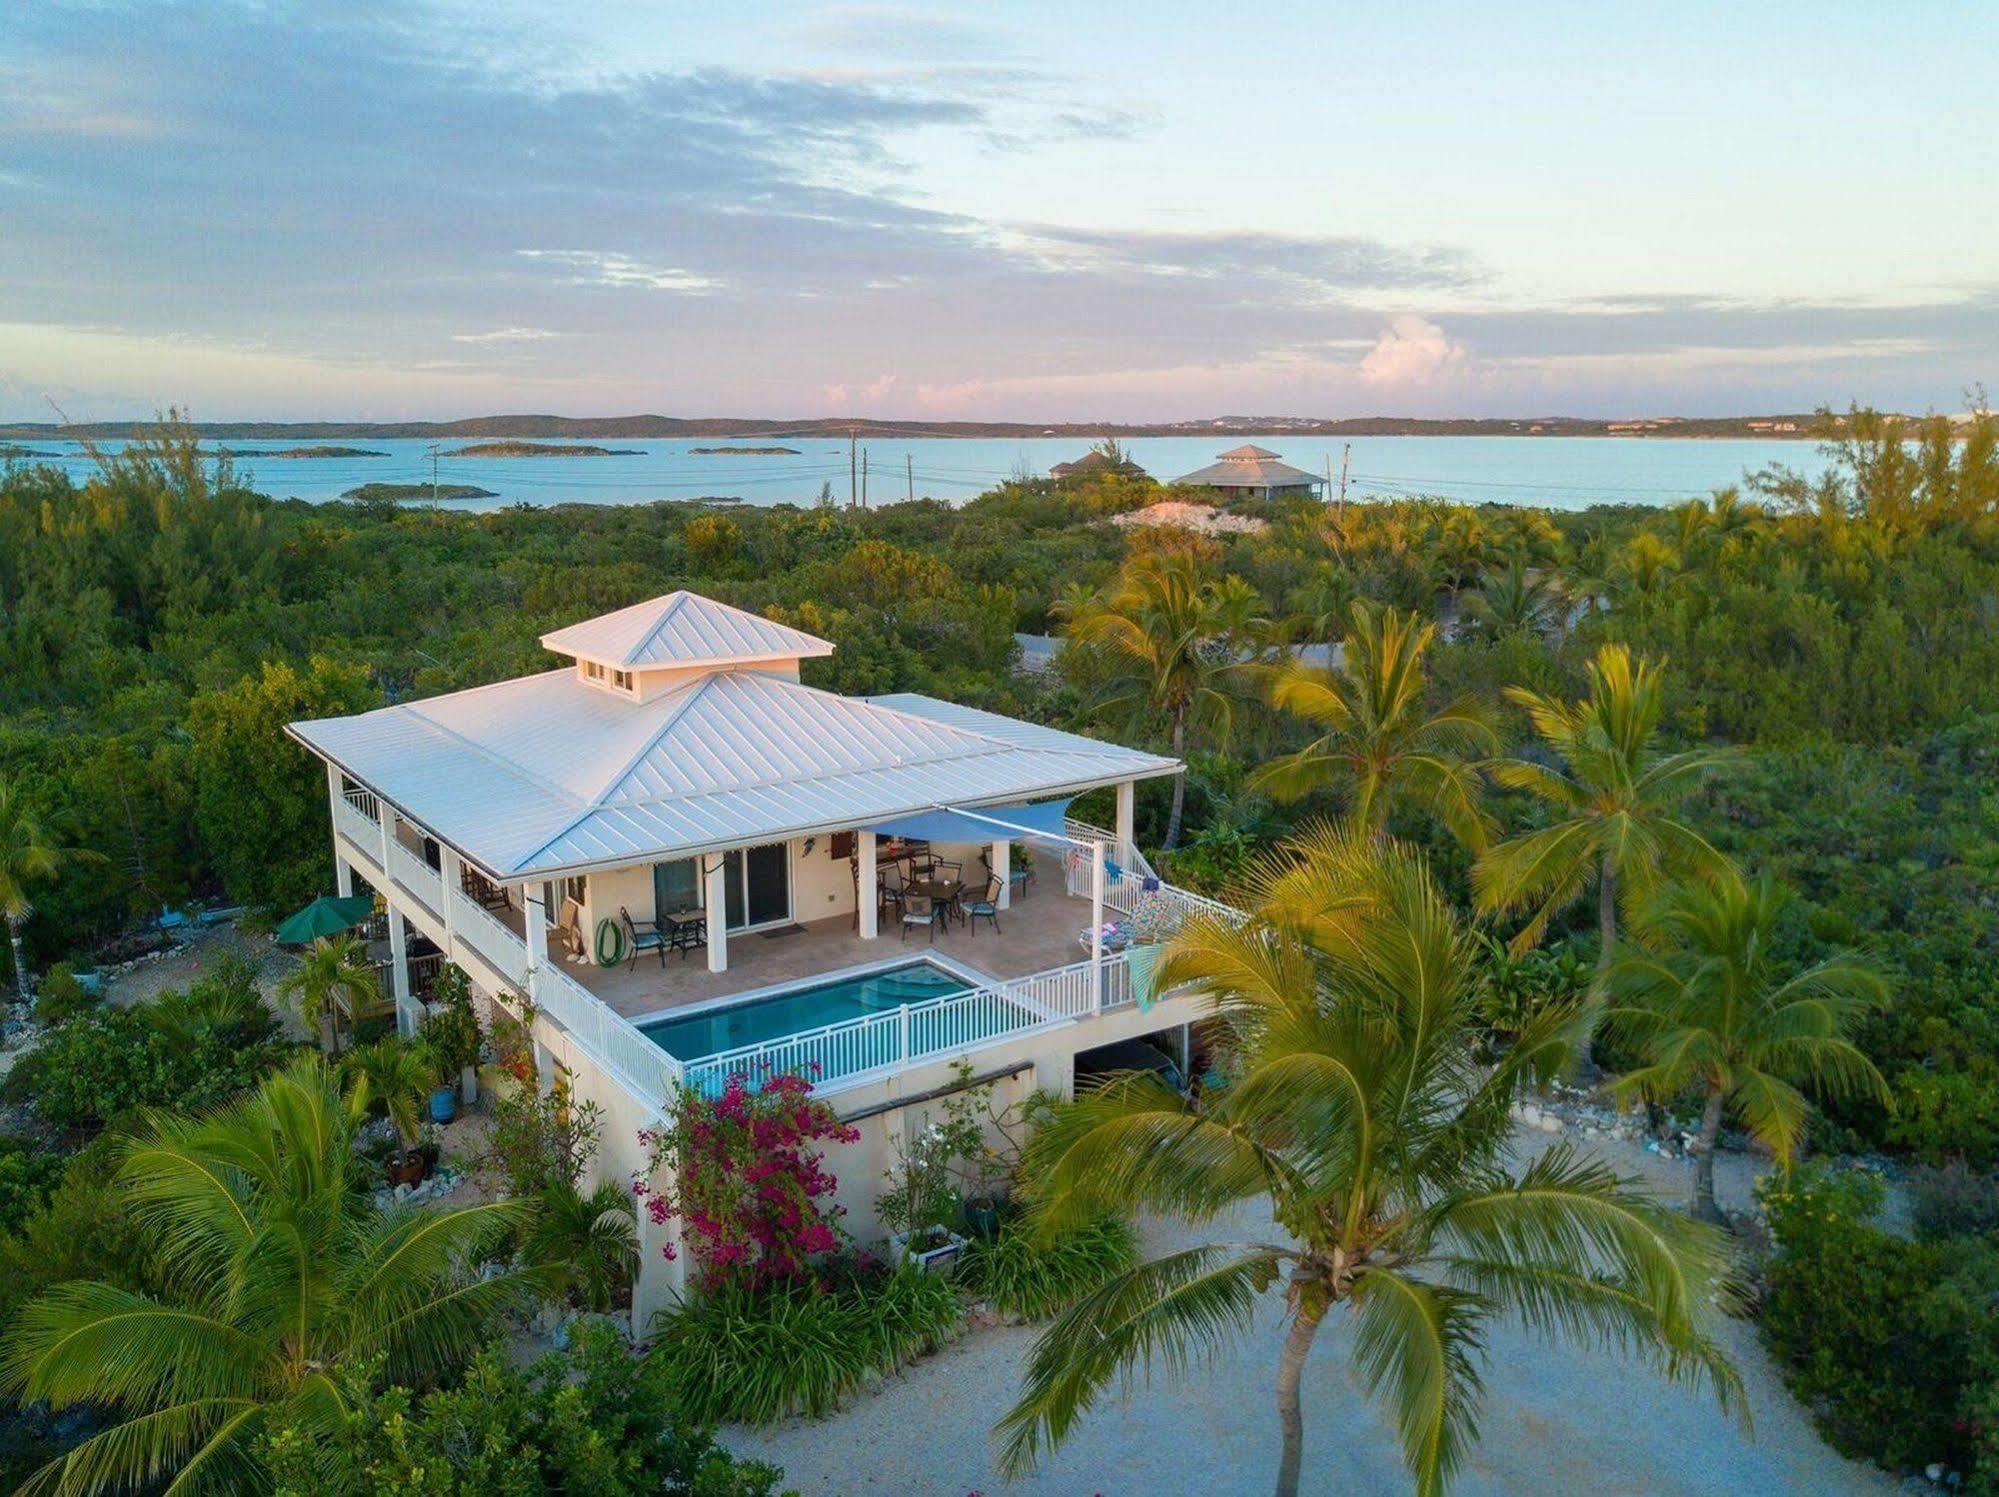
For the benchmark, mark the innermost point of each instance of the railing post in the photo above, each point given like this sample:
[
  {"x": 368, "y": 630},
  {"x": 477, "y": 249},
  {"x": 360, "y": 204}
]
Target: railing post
[
  {"x": 902, "y": 1032},
  {"x": 1097, "y": 923}
]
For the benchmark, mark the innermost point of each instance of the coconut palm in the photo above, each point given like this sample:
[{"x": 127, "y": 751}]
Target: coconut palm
[
  {"x": 1322, "y": 604},
  {"x": 1166, "y": 639},
  {"x": 1613, "y": 798},
  {"x": 1712, "y": 1008},
  {"x": 1378, "y": 740},
  {"x": 330, "y": 980},
  {"x": 29, "y": 855},
  {"x": 284, "y": 1283},
  {"x": 1361, "y": 1109}
]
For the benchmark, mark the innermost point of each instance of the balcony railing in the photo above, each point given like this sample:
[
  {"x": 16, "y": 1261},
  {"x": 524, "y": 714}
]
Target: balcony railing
[
  {"x": 355, "y": 825},
  {"x": 608, "y": 1035},
  {"x": 507, "y": 952},
  {"x": 417, "y": 876}
]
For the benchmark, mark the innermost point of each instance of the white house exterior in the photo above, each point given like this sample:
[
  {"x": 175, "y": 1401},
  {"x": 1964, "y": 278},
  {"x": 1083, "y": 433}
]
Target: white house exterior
[{"x": 677, "y": 761}]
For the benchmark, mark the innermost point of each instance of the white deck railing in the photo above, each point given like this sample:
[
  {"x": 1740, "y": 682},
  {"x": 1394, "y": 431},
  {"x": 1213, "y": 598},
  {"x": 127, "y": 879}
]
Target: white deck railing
[
  {"x": 353, "y": 824},
  {"x": 485, "y": 934},
  {"x": 950, "y": 1023},
  {"x": 607, "y": 1034},
  {"x": 416, "y": 876}
]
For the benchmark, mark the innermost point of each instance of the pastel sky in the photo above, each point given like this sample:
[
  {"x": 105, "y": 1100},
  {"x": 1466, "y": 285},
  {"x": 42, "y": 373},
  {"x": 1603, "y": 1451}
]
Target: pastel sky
[{"x": 388, "y": 209}]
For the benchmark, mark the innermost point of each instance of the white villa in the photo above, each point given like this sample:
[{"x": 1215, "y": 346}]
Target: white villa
[{"x": 683, "y": 863}]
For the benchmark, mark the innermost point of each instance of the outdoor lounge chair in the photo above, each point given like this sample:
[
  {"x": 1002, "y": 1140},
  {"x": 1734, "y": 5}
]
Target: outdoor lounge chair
[
  {"x": 642, "y": 935},
  {"x": 984, "y": 907}
]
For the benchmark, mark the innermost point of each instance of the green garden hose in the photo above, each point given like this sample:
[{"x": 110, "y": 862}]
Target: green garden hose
[{"x": 610, "y": 943}]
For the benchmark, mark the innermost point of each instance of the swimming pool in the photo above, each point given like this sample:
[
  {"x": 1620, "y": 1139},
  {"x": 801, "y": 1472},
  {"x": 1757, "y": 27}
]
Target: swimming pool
[{"x": 732, "y": 1026}]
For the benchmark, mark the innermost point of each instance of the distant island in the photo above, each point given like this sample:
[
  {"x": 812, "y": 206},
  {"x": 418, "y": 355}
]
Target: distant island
[
  {"x": 745, "y": 451},
  {"x": 535, "y": 432},
  {"x": 7, "y": 452},
  {"x": 302, "y": 452},
  {"x": 378, "y": 491},
  {"x": 540, "y": 449}
]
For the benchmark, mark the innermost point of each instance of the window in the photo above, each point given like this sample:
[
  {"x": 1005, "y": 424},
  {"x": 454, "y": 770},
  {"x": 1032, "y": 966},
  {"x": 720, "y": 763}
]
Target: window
[
  {"x": 622, "y": 680},
  {"x": 593, "y": 670}
]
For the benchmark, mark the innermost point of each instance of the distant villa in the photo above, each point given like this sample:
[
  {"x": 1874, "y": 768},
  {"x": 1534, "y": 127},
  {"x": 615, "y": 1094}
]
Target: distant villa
[
  {"x": 1095, "y": 464},
  {"x": 1254, "y": 470}
]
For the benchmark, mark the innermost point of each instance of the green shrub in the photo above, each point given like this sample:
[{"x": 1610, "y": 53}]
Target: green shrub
[
  {"x": 1024, "y": 1274},
  {"x": 1888, "y": 1342},
  {"x": 27, "y": 1176},
  {"x": 756, "y": 1355},
  {"x": 186, "y": 1049},
  {"x": 593, "y": 1419},
  {"x": 59, "y": 997},
  {"x": 1955, "y": 1201}
]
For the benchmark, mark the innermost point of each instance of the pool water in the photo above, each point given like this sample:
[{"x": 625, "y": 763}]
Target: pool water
[{"x": 729, "y": 1028}]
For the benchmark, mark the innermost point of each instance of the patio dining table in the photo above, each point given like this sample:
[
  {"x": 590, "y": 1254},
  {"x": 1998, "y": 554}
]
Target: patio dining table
[{"x": 944, "y": 892}]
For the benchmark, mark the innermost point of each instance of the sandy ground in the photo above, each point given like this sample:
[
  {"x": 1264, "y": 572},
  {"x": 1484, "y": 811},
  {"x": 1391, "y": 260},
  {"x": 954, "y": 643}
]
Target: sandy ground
[
  {"x": 1204, "y": 519},
  {"x": 1557, "y": 1419}
]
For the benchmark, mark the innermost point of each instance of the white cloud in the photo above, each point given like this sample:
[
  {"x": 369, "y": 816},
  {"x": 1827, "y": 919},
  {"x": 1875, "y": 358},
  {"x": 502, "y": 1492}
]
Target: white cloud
[
  {"x": 506, "y": 335},
  {"x": 1414, "y": 351},
  {"x": 608, "y": 268}
]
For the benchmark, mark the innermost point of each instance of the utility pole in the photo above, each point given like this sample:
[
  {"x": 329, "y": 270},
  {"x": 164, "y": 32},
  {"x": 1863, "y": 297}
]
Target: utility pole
[
  {"x": 909, "y": 469},
  {"x": 1346, "y": 456},
  {"x": 433, "y": 472},
  {"x": 853, "y": 482},
  {"x": 864, "y": 478}
]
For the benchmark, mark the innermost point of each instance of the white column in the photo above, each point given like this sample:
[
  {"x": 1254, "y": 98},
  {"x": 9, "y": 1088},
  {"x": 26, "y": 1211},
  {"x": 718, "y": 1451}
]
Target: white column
[
  {"x": 718, "y": 913},
  {"x": 534, "y": 923},
  {"x": 399, "y": 974},
  {"x": 343, "y": 876},
  {"x": 1002, "y": 860},
  {"x": 452, "y": 869},
  {"x": 866, "y": 895},
  {"x": 1097, "y": 920},
  {"x": 1127, "y": 799}
]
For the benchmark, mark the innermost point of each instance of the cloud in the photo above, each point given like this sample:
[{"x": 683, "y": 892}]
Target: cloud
[
  {"x": 606, "y": 268},
  {"x": 506, "y": 335},
  {"x": 1413, "y": 351}
]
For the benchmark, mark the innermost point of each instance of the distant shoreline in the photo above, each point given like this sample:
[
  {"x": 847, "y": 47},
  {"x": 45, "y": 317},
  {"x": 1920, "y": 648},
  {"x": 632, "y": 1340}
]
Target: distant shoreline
[{"x": 1786, "y": 426}]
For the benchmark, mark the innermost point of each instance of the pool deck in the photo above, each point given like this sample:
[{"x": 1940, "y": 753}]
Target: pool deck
[{"x": 1037, "y": 933}]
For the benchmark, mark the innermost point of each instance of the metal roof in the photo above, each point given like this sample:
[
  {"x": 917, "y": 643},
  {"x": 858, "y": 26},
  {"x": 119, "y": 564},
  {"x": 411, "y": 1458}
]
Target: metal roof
[
  {"x": 547, "y": 775},
  {"x": 1249, "y": 467},
  {"x": 683, "y": 629}
]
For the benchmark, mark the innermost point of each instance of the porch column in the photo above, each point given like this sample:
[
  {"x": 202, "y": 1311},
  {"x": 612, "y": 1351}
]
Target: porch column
[
  {"x": 452, "y": 868},
  {"x": 1002, "y": 861},
  {"x": 399, "y": 974},
  {"x": 867, "y": 900},
  {"x": 534, "y": 925},
  {"x": 718, "y": 912},
  {"x": 1127, "y": 799},
  {"x": 1097, "y": 920},
  {"x": 343, "y": 876}
]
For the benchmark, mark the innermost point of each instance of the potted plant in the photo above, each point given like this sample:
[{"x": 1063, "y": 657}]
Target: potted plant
[{"x": 923, "y": 1194}]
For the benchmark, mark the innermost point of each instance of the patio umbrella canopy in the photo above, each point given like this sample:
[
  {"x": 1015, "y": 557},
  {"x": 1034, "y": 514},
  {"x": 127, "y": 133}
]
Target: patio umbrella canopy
[
  {"x": 1042, "y": 821},
  {"x": 326, "y": 916}
]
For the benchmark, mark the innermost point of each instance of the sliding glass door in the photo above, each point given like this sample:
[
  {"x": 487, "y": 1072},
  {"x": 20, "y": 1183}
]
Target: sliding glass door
[{"x": 756, "y": 885}]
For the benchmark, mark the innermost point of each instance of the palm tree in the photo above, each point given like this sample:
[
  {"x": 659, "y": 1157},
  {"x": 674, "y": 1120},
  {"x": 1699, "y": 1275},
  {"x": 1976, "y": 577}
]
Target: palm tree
[
  {"x": 1515, "y": 601},
  {"x": 285, "y": 1283},
  {"x": 1709, "y": 1005},
  {"x": 29, "y": 855},
  {"x": 1361, "y": 1109},
  {"x": 1323, "y": 602},
  {"x": 396, "y": 1075},
  {"x": 330, "y": 980},
  {"x": 586, "y": 1245},
  {"x": 1377, "y": 739},
  {"x": 1167, "y": 639},
  {"x": 1613, "y": 799}
]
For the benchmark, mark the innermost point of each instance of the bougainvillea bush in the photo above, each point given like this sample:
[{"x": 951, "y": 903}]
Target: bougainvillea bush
[{"x": 745, "y": 1177}]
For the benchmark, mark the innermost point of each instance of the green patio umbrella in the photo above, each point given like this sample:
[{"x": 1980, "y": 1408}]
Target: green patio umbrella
[{"x": 326, "y": 916}]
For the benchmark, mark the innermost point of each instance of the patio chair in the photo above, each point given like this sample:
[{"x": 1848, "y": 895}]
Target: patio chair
[
  {"x": 642, "y": 935},
  {"x": 984, "y": 907},
  {"x": 889, "y": 892},
  {"x": 919, "y": 910}
]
